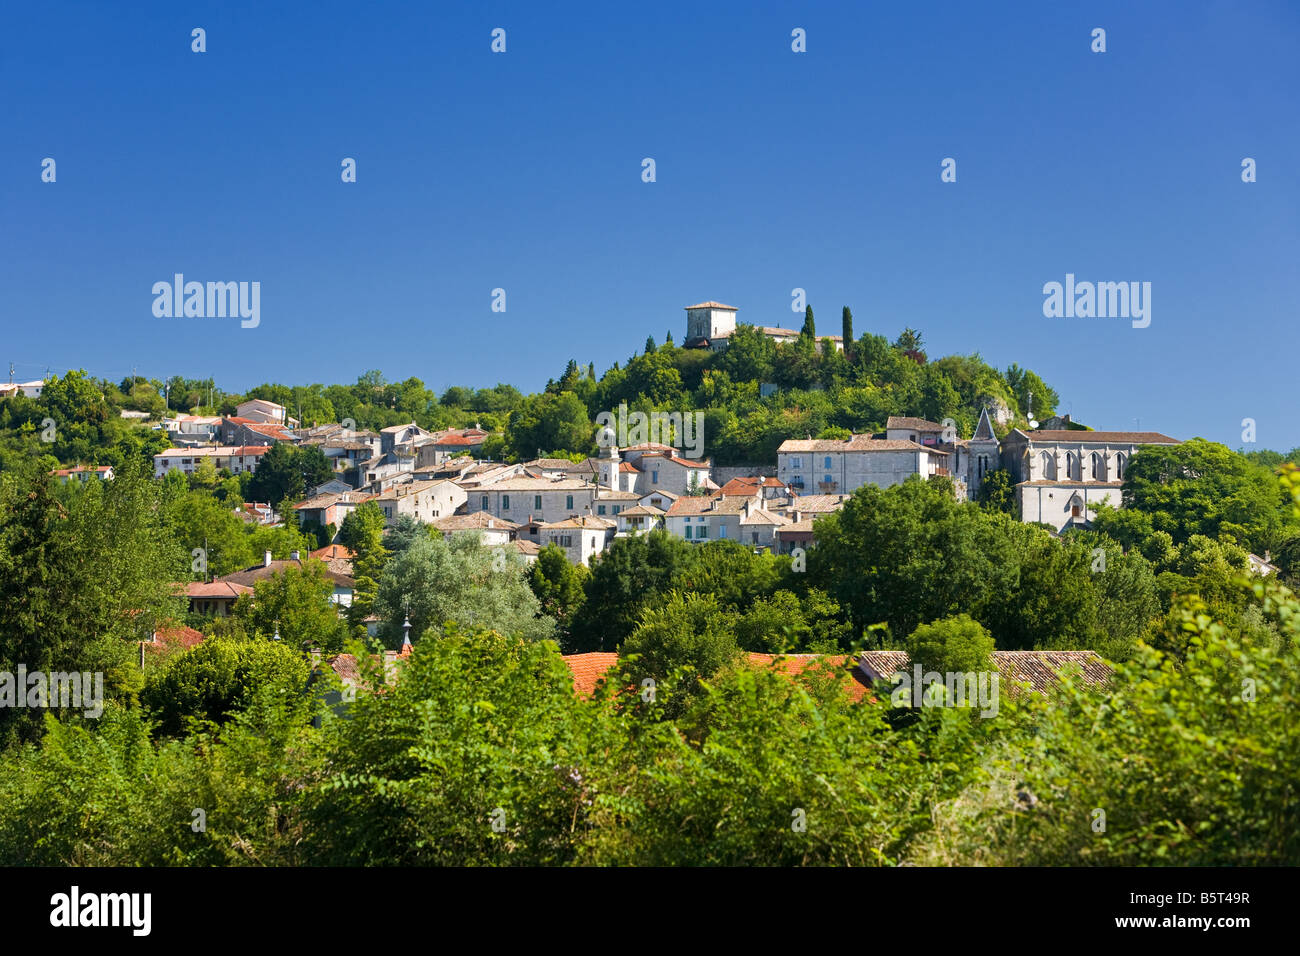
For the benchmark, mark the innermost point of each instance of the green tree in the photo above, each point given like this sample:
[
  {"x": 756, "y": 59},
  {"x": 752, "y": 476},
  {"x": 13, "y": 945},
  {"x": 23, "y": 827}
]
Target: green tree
[
  {"x": 951, "y": 645},
  {"x": 633, "y": 571},
  {"x": 297, "y": 603},
  {"x": 558, "y": 586},
  {"x": 463, "y": 582},
  {"x": 218, "y": 677}
]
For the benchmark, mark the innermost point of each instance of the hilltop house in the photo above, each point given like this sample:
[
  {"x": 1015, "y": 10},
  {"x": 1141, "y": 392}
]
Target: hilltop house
[{"x": 710, "y": 324}]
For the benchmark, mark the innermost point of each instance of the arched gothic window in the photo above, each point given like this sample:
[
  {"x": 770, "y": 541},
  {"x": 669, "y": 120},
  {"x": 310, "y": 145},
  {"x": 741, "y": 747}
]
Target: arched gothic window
[{"x": 1049, "y": 466}]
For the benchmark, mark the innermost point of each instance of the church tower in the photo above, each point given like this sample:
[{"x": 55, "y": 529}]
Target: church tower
[{"x": 984, "y": 456}]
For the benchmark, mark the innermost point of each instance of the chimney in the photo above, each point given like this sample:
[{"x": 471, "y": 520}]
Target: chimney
[
  {"x": 266, "y": 559},
  {"x": 293, "y": 555}
]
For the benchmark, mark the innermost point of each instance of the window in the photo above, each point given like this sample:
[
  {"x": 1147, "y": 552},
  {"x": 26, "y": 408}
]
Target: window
[
  {"x": 1098, "y": 467},
  {"x": 537, "y": 502},
  {"x": 826, "y": 462},
  {"x": 1049, "y": 465},
  {"x": 600, "y": 509},
  {"x": 1073, "y": 466},
  {"x": 568, "y": 502},
  {"x": 688, "y": 532},
  {"x": 617, "y": 509},
  {"x": 654, "y": 476},
  {"x": 485, "y": 503},
  {"x": 701, "y": 532},
  {"x": 722, "y": 531},
  {"x": 505, "y": 502},
  {"x": 796, "y": 462},
  {"x": 826, "y": 479},
  {"x": 1121, "y": 460}
]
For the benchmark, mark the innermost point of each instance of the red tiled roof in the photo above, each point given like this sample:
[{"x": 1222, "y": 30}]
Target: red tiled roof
[
  {"x": 588, "y": 669},
  {"x": 333, "y": 551},
  {"x": 175, "y": 636},
  {"x": 216, "y": 589}
]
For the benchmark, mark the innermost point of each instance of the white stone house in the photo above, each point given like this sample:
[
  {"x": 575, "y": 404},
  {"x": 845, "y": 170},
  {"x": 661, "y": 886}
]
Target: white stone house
[
  {"x": 264, "y": 412},
  {"x": 522, "y": 497},
  {"x": 425, "y": 501},
  {"x": 841, "y": 466},
  {"x": 582, "y": 537}
]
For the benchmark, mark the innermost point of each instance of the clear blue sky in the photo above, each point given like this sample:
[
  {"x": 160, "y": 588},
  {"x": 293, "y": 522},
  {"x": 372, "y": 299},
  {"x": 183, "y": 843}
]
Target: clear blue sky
[{"x": 775, "y": 170}]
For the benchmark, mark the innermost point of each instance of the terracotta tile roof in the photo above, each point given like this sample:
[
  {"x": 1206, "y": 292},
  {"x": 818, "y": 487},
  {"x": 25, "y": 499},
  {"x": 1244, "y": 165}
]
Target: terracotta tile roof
[
  {"x": 260, "y": 572},
  {"x": 588, "y": 669},
  {"x": 711, "y": 305},
  {"x": 761, "y": 516},
  {"x": 1114, "y": 438},
  {"x": 606, "y": 495},
  {"x": 475, "y": 521},
  {"x": 582, "y": 521},
  {"x": 803, "y": 526},
  {"x": 526, "y": 547},
  {"x": 1037, "y": 668},
  {"x": 920, "y": 424},
  {"x": 668, "y": 456},
  {"x": 700, "y": 505},
  {"x": 333, "y": 551},
  {"x": 529, "y": 483},
  {"x": 174, "y": 637},
  {"x": 216, "y": 589},
  {"x": 821, "y": 504},
  {"x": 641, "y": 511},
  {"x": 751, "y": 485},
  {"x": 857, "y": 443},
  {"x": 796, "y": 664},
  {"x": 557, "y": 464},
  {"x": 1044, "y": 482},
  {"x": 648, "y": 446}
]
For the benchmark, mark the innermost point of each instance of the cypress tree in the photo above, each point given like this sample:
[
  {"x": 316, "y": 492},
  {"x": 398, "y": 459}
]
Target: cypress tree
[
  {"x": 809, "y": 329},
  {"x": 847, "y": 332}
]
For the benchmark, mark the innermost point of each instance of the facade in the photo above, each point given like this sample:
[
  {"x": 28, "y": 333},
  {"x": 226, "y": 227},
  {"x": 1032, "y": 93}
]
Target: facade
[
  {"x": 1059, "y": 474},
  {"x": 522, "y": 497},
  {"x": 842, "y": 466},
  {"x": 330, "y": 508},
  {"x": 424, "y": 501},
  {"x": 491, "y": 531},
  {"x": 581, "y": 538},
  {"x": 235, "y": 459}
]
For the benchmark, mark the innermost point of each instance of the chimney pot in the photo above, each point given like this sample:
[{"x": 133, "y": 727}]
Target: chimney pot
[
  {"x": 266, "y": 559},
  {"x": 293, "y": 555}
]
